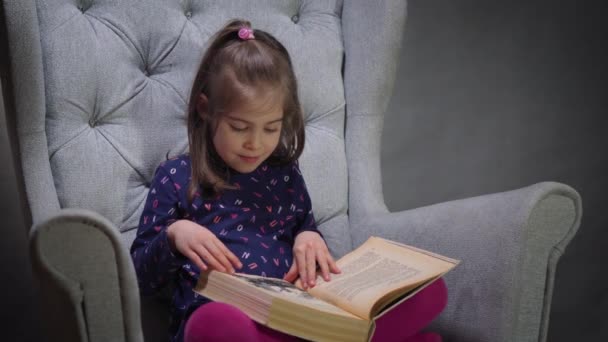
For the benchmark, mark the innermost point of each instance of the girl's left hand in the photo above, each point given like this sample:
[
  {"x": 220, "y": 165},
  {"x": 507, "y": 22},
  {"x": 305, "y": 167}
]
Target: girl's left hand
[{"x": 309, "y": 249}]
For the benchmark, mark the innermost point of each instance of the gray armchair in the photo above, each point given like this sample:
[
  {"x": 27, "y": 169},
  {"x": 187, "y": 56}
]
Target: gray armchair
[{"x": 95, "y": 97}]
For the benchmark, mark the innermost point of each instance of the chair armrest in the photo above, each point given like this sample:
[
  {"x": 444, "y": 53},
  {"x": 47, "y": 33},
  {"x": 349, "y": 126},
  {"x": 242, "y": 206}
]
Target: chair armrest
[
  {"x": 88, "y": 287},
  {"x": 509, "y": 244}
]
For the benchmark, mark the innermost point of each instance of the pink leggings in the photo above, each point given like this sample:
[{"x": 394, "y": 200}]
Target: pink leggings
[{"x": 222, "y": 322}]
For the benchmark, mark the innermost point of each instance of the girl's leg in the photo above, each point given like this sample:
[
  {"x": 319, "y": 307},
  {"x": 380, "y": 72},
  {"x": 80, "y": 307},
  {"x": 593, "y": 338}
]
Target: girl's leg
[
  {"x": 405, "y": 321},
  {"x": 223, "y": 322}
]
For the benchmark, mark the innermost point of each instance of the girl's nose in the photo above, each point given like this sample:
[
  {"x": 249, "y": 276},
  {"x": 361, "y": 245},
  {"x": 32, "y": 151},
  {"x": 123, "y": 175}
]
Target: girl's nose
[{"x": 254, "y": 141}]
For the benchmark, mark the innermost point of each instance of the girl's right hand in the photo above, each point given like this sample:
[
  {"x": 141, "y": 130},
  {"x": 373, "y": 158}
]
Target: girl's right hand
[{"x": 201, "y": 246}]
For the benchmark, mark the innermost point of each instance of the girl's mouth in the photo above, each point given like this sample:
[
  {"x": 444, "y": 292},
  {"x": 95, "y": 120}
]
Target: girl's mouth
[{"x": 250, "y": 160}]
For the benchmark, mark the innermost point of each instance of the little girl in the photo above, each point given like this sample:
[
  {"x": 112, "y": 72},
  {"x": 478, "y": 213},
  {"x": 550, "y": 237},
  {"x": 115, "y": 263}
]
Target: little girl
[{"x": 238, "y": 202}]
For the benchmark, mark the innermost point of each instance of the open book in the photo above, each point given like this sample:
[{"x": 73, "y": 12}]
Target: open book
[{"x": 375, "y": 277}]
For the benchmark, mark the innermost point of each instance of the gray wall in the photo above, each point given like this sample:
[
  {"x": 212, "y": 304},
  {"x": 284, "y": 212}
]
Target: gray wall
[
  {"x": 488, "y": 98},
  {"x": 492, "y": 97}
]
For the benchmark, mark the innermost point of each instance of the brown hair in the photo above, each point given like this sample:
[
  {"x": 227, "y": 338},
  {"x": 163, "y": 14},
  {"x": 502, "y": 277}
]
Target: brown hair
[{"x": 230, "y": 69}]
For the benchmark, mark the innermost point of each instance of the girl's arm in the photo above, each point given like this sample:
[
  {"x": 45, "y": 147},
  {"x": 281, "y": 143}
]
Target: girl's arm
[
  {"x": 155, "y": 262},
  {"x": 306, "y": 218}
]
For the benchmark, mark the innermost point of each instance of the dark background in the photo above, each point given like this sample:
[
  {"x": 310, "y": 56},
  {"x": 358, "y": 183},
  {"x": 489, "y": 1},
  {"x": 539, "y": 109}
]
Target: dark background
[
  {"x": 492, "y": 97},
  {"x": 489, "y": 97}
]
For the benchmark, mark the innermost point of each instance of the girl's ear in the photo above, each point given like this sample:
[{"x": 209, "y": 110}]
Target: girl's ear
[{"x": 202, "y": 106}]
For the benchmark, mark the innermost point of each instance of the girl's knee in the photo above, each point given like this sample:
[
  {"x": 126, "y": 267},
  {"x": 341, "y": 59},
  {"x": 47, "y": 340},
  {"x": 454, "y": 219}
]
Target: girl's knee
[
  {"x": 430, "y": 301},
  {"x": 438, "y": 292},
  {"x": 223, "y": 312},
  {"x": 218, "y": 322}
]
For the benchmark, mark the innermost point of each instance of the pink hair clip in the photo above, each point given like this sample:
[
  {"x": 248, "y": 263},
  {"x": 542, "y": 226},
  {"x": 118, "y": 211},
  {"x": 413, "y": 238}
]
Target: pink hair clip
[{"x": 245, "y": 33}]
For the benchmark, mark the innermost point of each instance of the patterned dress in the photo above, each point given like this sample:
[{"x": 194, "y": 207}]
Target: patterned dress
[{"x": 257, "y": 221}]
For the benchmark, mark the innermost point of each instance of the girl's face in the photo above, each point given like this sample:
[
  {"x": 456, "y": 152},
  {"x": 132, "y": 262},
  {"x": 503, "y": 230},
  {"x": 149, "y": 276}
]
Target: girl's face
[{"x": 247, "y": 136}]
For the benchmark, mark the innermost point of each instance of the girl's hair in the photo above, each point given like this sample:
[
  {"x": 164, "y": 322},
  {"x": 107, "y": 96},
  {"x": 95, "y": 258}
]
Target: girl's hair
[{"x": 232, "y": 70}]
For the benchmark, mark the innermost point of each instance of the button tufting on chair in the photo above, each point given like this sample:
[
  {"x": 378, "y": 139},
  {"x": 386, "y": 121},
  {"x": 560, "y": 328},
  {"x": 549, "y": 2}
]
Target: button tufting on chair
[
  {"x": 295, "y": 18},
  {"x": 188, "y": 14},
  {"x": 84, "y": 5}
]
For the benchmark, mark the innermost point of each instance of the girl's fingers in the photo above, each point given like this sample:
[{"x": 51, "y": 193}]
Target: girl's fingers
[
  {"x": 209, "y": 258},
  {"x": 231, "y": 257},
  {"x": 215, "y": 248},
  {"x": 292, "y": 274},
  {"x": 300, "y": 260},
  {"x": 196, "y": 260},
  {"x": 323, "y": 265},
  {"x": 333, "y": 267},
  {"x": 311, "y": 265}
]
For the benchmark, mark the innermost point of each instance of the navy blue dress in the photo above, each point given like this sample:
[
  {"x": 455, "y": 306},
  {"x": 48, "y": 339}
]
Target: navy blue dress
[{"x": 257, "y": 221}]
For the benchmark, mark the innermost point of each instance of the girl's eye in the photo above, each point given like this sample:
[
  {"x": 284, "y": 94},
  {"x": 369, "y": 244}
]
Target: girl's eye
[
  {"x": 238, "y": 129},
  {"x": 271, "y": 130}
]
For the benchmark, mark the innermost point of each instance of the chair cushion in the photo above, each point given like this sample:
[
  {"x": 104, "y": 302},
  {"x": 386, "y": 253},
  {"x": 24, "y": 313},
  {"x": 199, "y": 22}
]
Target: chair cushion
[{"x": 118, "y": 75}]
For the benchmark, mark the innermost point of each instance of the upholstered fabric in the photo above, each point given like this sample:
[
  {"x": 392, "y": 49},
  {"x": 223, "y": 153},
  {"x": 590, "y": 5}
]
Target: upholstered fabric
[
  {"x": 116, "y": 93},
  {"x": 80, "y": 289},
  {"x": 506, "y": 241},
  {"x": 99, "y": 89}
]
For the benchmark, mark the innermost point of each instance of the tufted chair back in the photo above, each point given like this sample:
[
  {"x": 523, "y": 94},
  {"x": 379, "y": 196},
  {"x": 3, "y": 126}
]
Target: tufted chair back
[
  {"x": 117, "y": 90},
  {"x": 103, "y": 84},
  {"x": 117, "y": 75},
  {"x": 116, "y": 95}
]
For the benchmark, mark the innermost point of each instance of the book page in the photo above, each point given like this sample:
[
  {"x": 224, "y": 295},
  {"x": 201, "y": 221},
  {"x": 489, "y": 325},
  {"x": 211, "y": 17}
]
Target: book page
[
  {"x": 378, "y": 269},
  {"x": 274, "y": 287}
]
